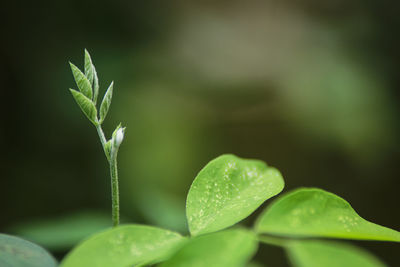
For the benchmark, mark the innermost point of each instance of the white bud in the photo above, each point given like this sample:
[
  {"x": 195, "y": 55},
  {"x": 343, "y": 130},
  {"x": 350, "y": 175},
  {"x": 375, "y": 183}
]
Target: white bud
[{"x": 119, "y": 136}]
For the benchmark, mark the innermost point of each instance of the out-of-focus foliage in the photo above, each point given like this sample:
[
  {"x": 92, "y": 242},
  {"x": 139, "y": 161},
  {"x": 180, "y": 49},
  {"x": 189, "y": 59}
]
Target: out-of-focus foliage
[
  {"x": 62, "y": 233},
  {"x": 18, "y": 252}
]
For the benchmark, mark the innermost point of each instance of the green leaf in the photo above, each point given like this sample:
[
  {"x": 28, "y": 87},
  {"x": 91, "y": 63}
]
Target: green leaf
[
  {"x": 16, "y": 252},
  {"x": 107, "y": 148},
  {"x": 226, "y": 248},
  {"x": 91, "y": 74},
  {"x": 62, "y": 233},
  {"x": 82, "y": 82},
  {"x": 95, "y": 85},
  {"x": 88, "y": 67},
  {"x": 125, "y": 246},
  {"x": 227, "y": 190},
  {"x": 116, "y": 130},
  {"x": 105, "y": 104},
  {"x": 330, "y": 254},
  {"x": 254, "y": 264},
  {"x": 312, "y": 212},
  {"x": 86, "y": 105}
]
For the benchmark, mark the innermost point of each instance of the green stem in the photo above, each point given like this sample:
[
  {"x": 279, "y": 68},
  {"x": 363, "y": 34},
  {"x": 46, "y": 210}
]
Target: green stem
[
  {"x": 270, "y": 240},
  {"x": 114, "y": 190},
  {"x": 102, "y": 137},
  {"x": 114, "y": 176}
]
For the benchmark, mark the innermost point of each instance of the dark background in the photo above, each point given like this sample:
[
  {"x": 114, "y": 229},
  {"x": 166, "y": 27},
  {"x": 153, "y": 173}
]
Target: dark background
[{"x": 310, "y": 87}]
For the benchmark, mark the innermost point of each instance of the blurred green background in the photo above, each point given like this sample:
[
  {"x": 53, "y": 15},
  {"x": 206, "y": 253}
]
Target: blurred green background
[{"x": 310, "y": 87}]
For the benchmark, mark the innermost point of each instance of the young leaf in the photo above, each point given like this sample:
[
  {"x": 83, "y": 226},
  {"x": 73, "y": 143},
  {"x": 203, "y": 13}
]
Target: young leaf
[
  {"x": 82, "y": 82},
  {"x": 107, "y": 148},
  {"x": 233, "y": 248},
  {"x": 91, "y": 74},
  {"x": 105, "y": 104},
  {"x": 227, "y": 190},
  {"x": 116, "y": 130},
  {"x": 88, "y": 67},
  {"x": 312, "y": 212},
  {"x": 95, "y": 85},
  {"x": 86, "y": 105},
  {"x": 17, "y": 252},
  {"x": 330, "y": 254},
  {"x": 125, "y": 246}
]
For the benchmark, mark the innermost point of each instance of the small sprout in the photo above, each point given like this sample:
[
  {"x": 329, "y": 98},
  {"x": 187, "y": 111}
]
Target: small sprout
[{"x": 86, "y": 98}]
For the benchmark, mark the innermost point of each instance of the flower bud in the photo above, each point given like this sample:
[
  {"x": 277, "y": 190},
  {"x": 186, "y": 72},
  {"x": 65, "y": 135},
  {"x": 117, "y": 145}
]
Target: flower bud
[{"x": 119, "y": 136}]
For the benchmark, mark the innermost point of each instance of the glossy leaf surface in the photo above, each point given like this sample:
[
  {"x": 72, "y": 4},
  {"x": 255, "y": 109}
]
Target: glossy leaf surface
[
  {"x": 17, "y": 252},
  {"x": 82, "y": 82},
  {"x": 330, "y": 254},
  {"x": 314, "y": 212},
  {"x": 226, "y": 248},
  {"x": 227, "y": 190},
  {"x": 125, "y": 246},
  {"x": 86, "y": 105}
]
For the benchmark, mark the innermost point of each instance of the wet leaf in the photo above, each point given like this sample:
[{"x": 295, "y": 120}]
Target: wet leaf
[
  {"x": 330, "y": 254},
  {"x": 125, "y": 246},
  {"x": 231, "y": 248},
  {"x": 228, "y": 190},
  {"x": 313, "y": 212}
]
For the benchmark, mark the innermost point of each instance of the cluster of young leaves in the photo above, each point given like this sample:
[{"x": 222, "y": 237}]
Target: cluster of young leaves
[
  {"x": 88, "y": 85},
  {"x": 226, "y": 191}
]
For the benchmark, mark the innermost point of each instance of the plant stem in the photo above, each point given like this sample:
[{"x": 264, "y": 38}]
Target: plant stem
[
  {"x": 114, "y": 190},
  {"x": 270, "y": 240},
  {"x": 102, "y": 137},
  {"x": 112, "y": 159}
]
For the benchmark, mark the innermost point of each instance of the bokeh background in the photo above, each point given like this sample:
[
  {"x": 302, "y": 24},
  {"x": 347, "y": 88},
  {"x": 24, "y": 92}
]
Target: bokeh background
[{"x": 310, "y": 87}]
